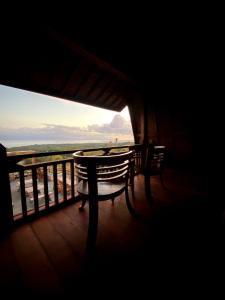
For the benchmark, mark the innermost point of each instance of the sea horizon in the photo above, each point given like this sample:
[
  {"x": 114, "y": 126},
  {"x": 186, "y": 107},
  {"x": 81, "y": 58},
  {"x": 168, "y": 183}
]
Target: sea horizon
[{"x": 19, "y": 143}]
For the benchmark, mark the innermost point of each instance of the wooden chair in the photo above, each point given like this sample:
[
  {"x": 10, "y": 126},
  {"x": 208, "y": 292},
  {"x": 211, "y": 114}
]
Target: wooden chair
[
  {"x": 154, "y": 165},
  {"x": 101, "y": 178}
]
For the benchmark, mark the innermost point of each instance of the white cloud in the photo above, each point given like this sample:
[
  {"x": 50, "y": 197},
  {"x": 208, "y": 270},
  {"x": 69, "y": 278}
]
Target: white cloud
[{"x": 118, "y": 128}]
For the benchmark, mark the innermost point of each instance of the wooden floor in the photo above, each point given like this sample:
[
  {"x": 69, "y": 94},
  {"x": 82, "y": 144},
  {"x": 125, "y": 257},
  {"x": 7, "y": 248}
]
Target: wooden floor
[{"x": 171, "y": 241}]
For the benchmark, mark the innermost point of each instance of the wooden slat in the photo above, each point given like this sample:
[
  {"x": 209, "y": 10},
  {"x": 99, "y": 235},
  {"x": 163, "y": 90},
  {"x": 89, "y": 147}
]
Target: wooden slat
[
  {"x": 104, "y": 86},
  {"x": 55, "y": 177},
  {"x": 75, "y": 79},
  {"x": 83, "y": 80},
  {"x": 113, "y": 99},
  {"x": 10, "y": 275},
  {"x": 108, "y": 91},
  {"x": 119, "y": 101},
  {"x": 72, "y": 178},
  {"x": 57, "y": 81},
  {"x": 36, "y": 271},
  {"x": 109, "y": 96},
  {"x": 48, "y": 163},
  {"x": 61, "y": 254},
  {"x": 96, "y": 83},
  {"x": 35, "y": 190},
  {"x": 71, "y": 229},
  {"x": 94, "y": 77},
  {"x": 23, "y": 194},
  {"x": 64, "y": 182},
  {"x": 46, "y": 186}
]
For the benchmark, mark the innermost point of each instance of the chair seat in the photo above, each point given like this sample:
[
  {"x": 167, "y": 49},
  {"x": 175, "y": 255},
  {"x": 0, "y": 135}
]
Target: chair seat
[{"x": 106, "y": 190}]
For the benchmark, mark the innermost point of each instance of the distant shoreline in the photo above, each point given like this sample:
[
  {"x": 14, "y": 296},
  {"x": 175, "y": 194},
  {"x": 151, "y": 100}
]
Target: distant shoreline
[
  {"x": 48, "y": 147},
  {"x": 19, "y": 143}
]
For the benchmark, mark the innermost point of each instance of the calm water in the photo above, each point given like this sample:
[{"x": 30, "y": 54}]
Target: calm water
[{"x": 17, "y": 143}]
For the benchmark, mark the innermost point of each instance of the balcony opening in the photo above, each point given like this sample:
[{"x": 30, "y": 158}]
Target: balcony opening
[
  {"x": 33, "y": 123},
  {"x": 29, "y": 119}
]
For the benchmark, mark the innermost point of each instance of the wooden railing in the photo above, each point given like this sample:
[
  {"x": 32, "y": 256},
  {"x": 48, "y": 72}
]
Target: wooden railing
[{"x": 51, "y": 183}]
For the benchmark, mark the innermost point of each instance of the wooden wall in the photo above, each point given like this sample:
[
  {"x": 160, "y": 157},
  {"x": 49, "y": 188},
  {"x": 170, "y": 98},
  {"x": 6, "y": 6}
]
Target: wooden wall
[{"x": 181, "y": 127}]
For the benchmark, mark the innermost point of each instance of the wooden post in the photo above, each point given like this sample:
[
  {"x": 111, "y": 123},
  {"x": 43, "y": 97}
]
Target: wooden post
[
  {"x": 156, "y": 110},
  {"x": 146, "y": 121},
  {"x": 93, "y": 208},
  {"x": 6, "y": 211}
]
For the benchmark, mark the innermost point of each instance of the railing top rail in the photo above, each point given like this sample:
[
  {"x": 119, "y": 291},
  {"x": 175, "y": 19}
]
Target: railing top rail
[
  {"x": 19, "y": 157},
  {"x": 47, "y": 163}
]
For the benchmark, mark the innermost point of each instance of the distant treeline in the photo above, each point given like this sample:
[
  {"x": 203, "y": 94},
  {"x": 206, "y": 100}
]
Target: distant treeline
[{"x": 64, "y": 147}]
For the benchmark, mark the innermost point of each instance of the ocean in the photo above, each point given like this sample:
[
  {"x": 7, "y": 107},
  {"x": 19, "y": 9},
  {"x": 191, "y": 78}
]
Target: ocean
[{"x": 18, "y": 143}]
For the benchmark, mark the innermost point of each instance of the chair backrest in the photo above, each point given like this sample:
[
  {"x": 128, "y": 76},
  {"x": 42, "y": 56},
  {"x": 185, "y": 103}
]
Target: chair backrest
[
  {"x": 112, "y": 168},
  {"x": 155, "y": 160}
]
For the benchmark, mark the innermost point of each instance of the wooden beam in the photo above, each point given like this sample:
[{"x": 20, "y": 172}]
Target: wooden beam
[
  {"x": 83, "y": 81},
  {"x": 70, "y": 44},
  {"x": 74, "y": 79},
  {"x": 95, "y": 84},
  {"x": 106, "y": 88}
]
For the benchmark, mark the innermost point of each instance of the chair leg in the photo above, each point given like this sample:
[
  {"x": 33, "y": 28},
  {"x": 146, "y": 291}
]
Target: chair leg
[
  {"x": 129, "y": 206},
  {"x": 131, "y": 181},
  {"x": 131, "y": 184},
  {"x": 81, "y": 208},
  {"x": 148, "y": 191},
  {"x": 93, "y": 225},
  {"x": 112, "y": 201}
]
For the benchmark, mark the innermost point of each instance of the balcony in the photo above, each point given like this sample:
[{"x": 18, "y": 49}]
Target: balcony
[
  {"x": 46, "y": 255},
  {"x": 40, "y": 187},
  {"x": 178, "y": 244}
]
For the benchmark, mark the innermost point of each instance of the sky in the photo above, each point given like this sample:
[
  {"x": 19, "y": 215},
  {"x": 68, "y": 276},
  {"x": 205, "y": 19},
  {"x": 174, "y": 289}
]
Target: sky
[{"x": 26, "y": 115}]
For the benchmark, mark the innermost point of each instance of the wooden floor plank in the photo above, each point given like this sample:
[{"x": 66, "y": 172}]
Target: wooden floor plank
[
  {"x": 48, "y": 257},
  {"x": 10, "y": 275},
  {"x": 60, "y": 253},
  {"x": 70, "y": 231},
  {"x": 38, "y": 275}
]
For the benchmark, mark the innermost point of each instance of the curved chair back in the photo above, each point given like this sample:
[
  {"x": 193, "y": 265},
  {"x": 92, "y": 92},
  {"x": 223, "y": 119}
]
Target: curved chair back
[
  {"x": 157, "y": 159},
  {"x": 154, "y": 165},
  {"x": 112, "y": 168}
]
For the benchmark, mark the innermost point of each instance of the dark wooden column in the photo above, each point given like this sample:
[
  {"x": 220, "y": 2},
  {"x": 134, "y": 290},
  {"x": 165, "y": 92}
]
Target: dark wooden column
[
  {"x": 6, "y": 212},
  {"x": 93, "y": 208},
  {"x": 136, "y": 109},
  {"x": 146, "y": 122}
]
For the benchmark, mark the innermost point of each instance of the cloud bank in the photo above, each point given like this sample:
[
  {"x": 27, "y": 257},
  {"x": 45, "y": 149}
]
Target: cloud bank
[{"x": 118, "y": 128}]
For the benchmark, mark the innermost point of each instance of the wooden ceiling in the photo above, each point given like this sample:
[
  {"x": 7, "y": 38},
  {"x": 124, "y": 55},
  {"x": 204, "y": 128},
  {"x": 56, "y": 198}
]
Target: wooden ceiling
[
  {"x": 87, "y": 64},
  {"x": 46, "y": 60}
]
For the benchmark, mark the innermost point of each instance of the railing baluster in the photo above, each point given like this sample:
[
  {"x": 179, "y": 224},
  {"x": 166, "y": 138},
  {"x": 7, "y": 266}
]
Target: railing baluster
[
  {"x": 72, "y": 178},
  {"x": 55, "y": 178},
  {"x": 23, "y": 193},
  {"x": 64, "y": 181},
  {"x": 46, "y": 187},
  {"x": 35, "y": 190}
]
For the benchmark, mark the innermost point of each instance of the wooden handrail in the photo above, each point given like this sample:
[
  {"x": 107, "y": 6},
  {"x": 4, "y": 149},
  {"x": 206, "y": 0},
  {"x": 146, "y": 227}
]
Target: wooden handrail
[
  {"x": 46, "y": 163},
  {"x": 13, "y": 160},
  {"x": 42, "y": 154}
]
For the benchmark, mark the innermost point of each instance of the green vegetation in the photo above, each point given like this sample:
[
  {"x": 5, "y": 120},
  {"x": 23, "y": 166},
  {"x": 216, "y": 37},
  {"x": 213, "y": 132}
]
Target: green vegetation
[{"x": 64, "y": 147}]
